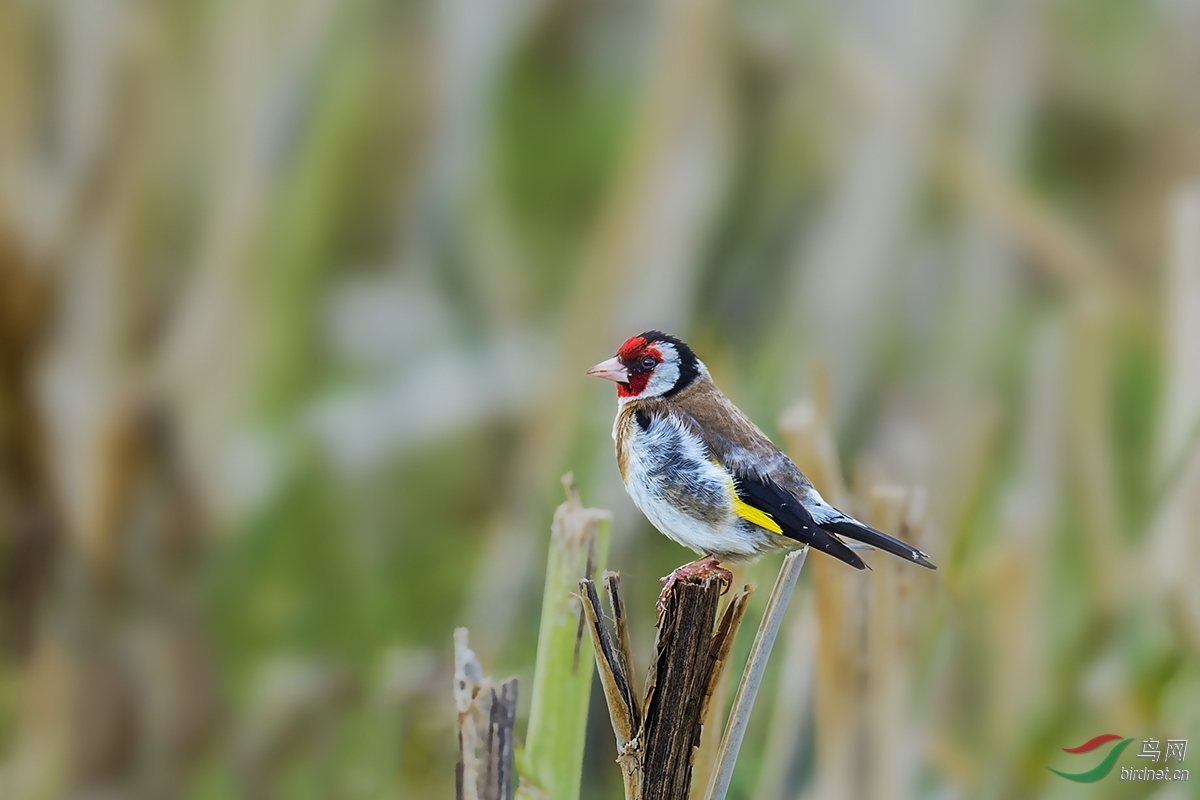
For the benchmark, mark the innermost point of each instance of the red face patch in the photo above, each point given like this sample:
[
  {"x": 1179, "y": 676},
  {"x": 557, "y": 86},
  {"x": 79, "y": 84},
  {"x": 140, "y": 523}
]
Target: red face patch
[
  {"x": 632, "y": 354},
  {"x": 632, "y": 347},
  {"x": 637, "y": 385},
  {"x": 638, "y": 348}
]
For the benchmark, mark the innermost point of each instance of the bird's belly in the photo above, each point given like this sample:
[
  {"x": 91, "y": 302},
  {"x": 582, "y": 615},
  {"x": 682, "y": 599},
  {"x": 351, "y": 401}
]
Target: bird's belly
[
  {"x": 725, "y": 539},
  {"x": 687, "y": 496}
]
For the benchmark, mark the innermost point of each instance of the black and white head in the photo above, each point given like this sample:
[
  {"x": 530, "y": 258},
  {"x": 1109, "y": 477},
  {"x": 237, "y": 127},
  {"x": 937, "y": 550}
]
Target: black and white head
[{"x": 653, "y": 364}]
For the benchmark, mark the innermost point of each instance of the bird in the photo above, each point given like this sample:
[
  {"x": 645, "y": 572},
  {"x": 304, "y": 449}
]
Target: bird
[{"x": 708, "y": 478}]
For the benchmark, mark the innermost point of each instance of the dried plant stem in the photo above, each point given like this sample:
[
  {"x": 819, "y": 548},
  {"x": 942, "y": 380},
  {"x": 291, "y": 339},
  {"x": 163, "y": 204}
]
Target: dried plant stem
[
  {"x": 887, "y": 664},
  {"x": 656, "y": 740},
  {"x": 614, "y": 678},
  {"x": 841, "y": 599},
  {"x": 710, "y": 737},
  {"x": 752, "y": 676},
  {"x": 485, "y": 728},
  {"x": 787, "y": 735},
  {"x": 1173, "y": 549}
]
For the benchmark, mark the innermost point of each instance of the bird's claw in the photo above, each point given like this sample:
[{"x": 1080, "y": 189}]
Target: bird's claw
[{"x": 701, "y": 568}]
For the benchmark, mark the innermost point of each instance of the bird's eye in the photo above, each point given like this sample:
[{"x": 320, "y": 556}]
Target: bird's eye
[{"x": 648, "y": 362}]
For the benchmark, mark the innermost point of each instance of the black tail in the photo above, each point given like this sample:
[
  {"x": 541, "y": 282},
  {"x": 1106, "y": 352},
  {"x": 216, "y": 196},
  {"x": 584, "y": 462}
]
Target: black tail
[
  {"x": 829, "y": 544},
  {"x": 852, "y": 529}
]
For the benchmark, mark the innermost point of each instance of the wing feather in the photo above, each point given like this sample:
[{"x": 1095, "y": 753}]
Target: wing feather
[
  {"x": 791, "y": 516},
  {"x": 769, "y": 485}
]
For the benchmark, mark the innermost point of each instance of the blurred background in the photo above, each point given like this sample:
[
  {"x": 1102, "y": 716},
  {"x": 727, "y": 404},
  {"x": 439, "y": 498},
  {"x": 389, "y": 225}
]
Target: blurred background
[{"x": 296, "y": 300}]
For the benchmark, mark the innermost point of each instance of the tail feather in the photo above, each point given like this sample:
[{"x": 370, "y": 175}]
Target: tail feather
[
  {"x": 833, "y": 546},
  {"x": 853, "y": 529}
]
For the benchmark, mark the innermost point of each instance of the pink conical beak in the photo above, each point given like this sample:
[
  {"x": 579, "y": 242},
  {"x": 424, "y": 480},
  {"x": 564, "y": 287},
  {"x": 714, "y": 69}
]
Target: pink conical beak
[{"x": 611, "y": 370}]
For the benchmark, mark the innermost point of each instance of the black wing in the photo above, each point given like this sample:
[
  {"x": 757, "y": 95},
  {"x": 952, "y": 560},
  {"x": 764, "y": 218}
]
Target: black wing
[{"x": 771, "y": 498}]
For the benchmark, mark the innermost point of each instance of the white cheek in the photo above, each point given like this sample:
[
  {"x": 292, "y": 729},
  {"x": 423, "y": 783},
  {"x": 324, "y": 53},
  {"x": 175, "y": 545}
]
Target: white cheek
[{"x": 663, "y": 380}]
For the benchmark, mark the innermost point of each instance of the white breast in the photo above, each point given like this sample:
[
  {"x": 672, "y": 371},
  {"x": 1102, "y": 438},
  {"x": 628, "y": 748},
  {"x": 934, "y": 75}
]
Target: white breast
[{"x": 683, "y": 493}]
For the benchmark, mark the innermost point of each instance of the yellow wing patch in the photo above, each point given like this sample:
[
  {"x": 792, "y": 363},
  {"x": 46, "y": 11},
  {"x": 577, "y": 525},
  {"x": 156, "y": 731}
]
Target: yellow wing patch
[
  {"x": 751, "y": 514},
  {"x": 748, "y": 512}
]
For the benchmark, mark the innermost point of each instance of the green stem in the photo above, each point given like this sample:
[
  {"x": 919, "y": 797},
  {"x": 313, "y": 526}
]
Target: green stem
[{"x": 551, "y": 764}]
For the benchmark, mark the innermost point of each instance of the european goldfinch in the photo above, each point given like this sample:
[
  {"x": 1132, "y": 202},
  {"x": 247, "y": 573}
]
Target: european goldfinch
[{"x": 706, "y": 476}]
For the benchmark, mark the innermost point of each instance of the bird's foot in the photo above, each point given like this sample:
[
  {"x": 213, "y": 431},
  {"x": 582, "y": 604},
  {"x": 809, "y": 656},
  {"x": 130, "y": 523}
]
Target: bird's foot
[{"x": 700, "y": 568}]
